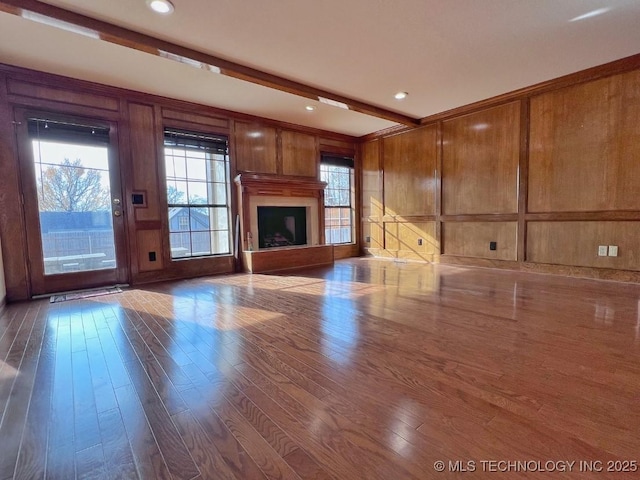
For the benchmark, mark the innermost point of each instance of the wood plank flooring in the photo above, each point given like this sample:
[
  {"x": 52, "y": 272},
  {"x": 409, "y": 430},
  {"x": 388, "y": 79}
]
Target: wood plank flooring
[{"x": 370, "y": 369}]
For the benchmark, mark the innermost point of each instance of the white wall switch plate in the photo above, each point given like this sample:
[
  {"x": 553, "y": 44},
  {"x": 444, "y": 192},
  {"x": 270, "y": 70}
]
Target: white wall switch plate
[
  {"x": 602, "y": 251},
  {"x": 613, "y": 250}
]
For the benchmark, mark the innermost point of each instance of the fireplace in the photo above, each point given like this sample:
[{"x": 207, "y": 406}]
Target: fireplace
[
  {"x": 281, "y": 222},
  {"x": 281, "y": 226}
]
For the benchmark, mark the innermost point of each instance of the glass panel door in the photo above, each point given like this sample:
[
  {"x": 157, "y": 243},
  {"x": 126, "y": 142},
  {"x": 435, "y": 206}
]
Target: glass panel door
[{"x": 72, "y": 204}]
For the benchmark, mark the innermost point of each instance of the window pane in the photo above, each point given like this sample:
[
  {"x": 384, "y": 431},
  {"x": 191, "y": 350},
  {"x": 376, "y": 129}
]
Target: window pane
[
  {"x": 168, "y": 167},
  {"x": 199, "y": 218},
  {"x": 219, "y": 171},
  {"x": 180, "y": 167},
  {"x": 220, "y": 218},
  {"x": 196, "y": 169},
  {"x": 180, "y": 244},
  {"x": 221, "y": 244},
  {"x": 219, "y": 193},
  {"x": 180, "y": 192},
  {"x": 200, "y": 243},
  {"x": 198, "y": 193}
]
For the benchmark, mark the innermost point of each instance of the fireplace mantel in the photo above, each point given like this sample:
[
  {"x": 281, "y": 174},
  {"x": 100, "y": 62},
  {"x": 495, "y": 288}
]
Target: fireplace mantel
[
  {"x": 278, "y": 190},
  {"x": 263, "y": 184}
]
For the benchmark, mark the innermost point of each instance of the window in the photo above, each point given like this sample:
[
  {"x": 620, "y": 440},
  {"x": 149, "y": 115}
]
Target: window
[
  {"x": 183, "y": 222},
  {"x": 197, "y": 170},
  {"x": 338, "y": 199}
]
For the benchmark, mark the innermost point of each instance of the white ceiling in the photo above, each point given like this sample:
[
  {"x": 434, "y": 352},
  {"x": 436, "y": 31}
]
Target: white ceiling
[{"x": 445, "y": 53}]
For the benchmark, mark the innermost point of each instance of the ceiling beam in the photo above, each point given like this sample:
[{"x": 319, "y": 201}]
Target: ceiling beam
[{"x": 84, "y": 25}]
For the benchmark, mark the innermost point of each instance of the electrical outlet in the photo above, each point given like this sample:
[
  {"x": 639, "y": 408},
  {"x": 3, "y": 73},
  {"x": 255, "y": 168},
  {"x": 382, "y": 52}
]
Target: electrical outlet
[
  {"x": 419, "y": 242},
  {"x": 602, "y": 251},
  {"x": 493, "y": 245},
  {"x": 367, "y": 239},
  {"x": 613, "y": 250}
]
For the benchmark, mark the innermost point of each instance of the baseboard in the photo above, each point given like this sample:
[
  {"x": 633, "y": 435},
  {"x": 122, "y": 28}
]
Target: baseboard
[{"x": 627, "y": 276}]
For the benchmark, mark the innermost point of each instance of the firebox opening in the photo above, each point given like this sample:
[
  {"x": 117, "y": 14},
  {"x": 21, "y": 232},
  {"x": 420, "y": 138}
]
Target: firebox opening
[{"x": 282, "y": 226}]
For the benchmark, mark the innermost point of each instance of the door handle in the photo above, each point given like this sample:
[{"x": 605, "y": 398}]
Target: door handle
[
  {"x": 116, "y": 201},
  {"x": 117, "y": 213}
]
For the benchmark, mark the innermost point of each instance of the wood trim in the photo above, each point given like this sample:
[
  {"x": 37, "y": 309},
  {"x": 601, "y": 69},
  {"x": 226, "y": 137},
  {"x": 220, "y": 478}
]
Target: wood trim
[
  {"x": 620, "y": 215},
  {"x": 50, "y": 79},
  {"x": 335, "y": 147},
  {"x": 439, "y": 159},
  {"x": 260, "y": 182},
  {"x": 188, "y": 268},
  {"x": 12, "y": 226},
  {"x": 346, "y": 250},
  {"x": 622, "y": 65},
  {"x": 188, "y": 118},
  {"x": 161, "y": 182},
  {"x": 611, "y": 68},
  {"x": 523, "y": 179},
  {"x": 278, "y": 259},
  {"x": 385, "y": 132},
  {"x": 545, "y": 268},
  {"x": 408, "y": 218},
  {"x": 21, "y": 88},
  {"x": 489, "y": 217},
  {"x": 357, "y": 207},
  {"x": 62, "y": 107},
  {"x": 154, "y": 46},
  {"x": 382, "y": 189}
]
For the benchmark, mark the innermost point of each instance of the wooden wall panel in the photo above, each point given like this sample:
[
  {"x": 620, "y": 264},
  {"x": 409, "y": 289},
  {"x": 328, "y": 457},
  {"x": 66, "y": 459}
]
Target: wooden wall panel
[
  {"x": 409, "y": 162},
  {"x": 402, "y": 239},
  {"x": 34, "y": 90},
  {"x": 372, "y": 202},
  {"x": 480, "y": 162},
  {"x": 576, "y": 243},
  {"x": 217, "y": 124},
  {"x": 374, "y": 232},
  {"x": 472, "y": 239},
  {"x": 299, "y": 154},
  {"x": 12, "y": 226},
  {"x": 255, "y": 148},
  {"x": 149, "y": 241},
  {"x": 144, "y": 159},
  {"x": 585, "y": 145}
]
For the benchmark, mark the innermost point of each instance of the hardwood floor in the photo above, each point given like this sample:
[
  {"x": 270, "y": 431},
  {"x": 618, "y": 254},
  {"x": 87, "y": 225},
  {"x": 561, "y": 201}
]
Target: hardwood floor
[{"x": 370, "y": 369}]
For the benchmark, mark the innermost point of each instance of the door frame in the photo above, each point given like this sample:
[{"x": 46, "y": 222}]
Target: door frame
[{"x": 41, "y": 284}]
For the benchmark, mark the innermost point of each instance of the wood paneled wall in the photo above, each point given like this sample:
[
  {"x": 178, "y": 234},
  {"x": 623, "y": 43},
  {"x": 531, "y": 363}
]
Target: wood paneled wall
[
  {"x": 480, "y": 155},
  {"x": 585, "y": 146},
  {"x": 410, "y": 173},
  {"x": 300, "y": 156},
  {"x": 256, "y": 145},
  {"x": 549, "y": 174},
  {"x": 255, "y": 148}
]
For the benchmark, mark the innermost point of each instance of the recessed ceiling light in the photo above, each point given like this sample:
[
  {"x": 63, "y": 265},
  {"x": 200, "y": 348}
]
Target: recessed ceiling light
[
  {"x": 309, "y": 108},
  {"x": 163, "y": 7},
  {"x": 401, "y": 95}
]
